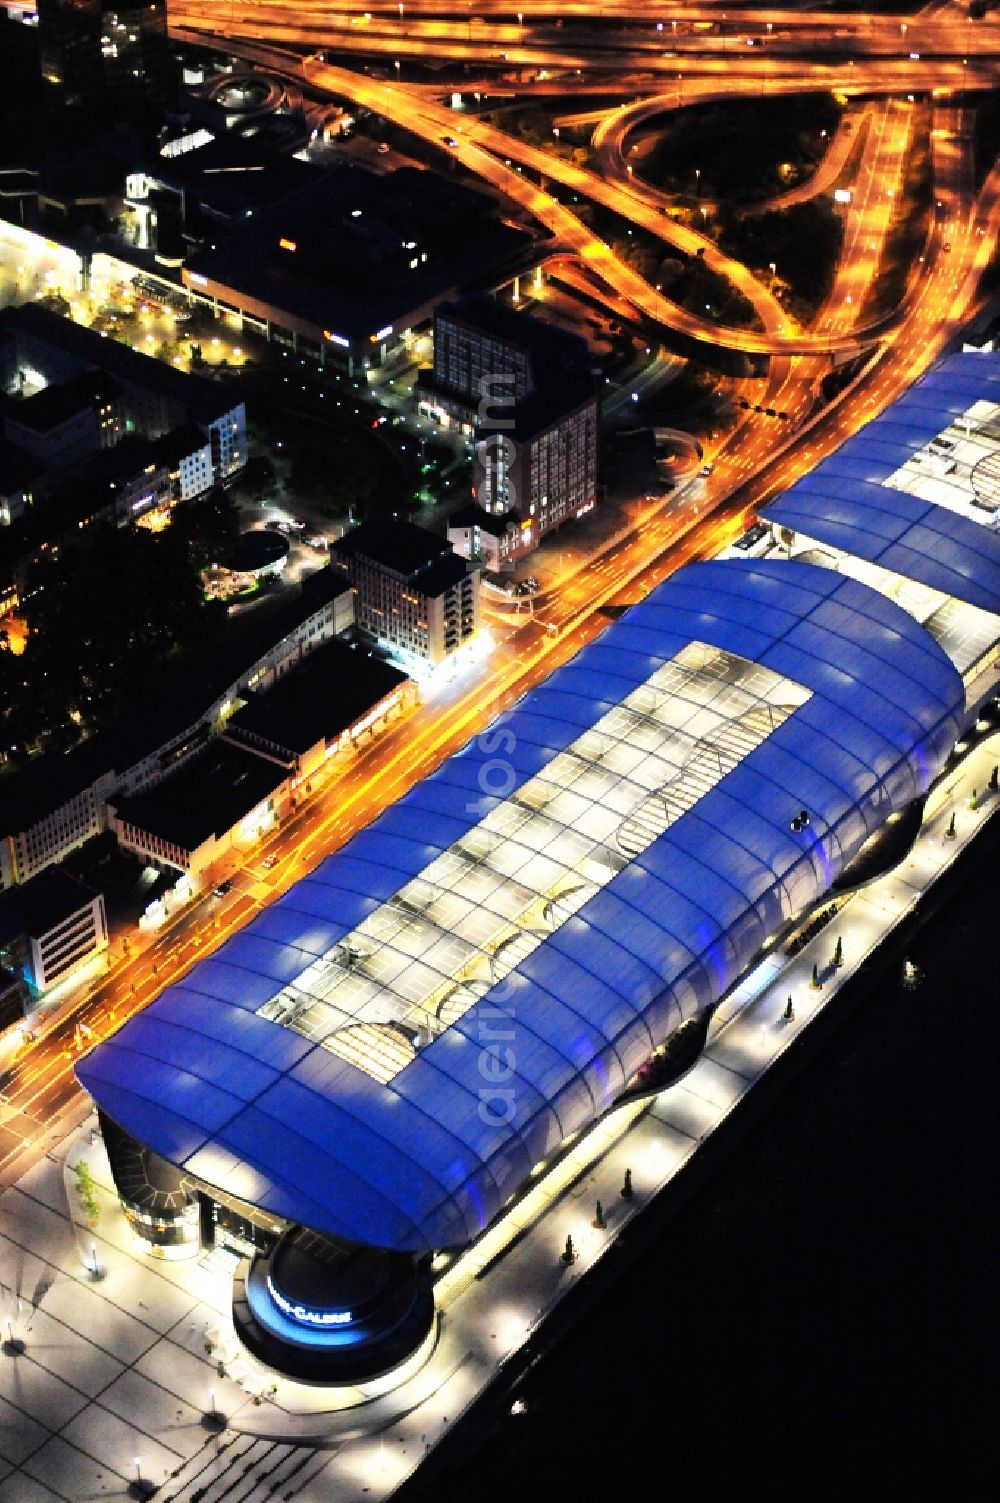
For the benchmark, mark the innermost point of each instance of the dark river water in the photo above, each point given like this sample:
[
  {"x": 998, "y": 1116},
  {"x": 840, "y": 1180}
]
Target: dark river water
[{"x": 819, "y": 1319}]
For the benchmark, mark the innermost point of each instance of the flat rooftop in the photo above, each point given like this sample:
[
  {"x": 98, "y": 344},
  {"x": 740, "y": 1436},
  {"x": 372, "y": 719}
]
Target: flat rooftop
[
  {"x": 397, "y": 545},
  {"x": 359, "y": 252},
  {"x": 483, "y": 905},
  {"x": 233, "y": 172},
  {"x": 205, "y": 798},
  {"x": 474, "y": 515},
  {"x": 177, "y": 704},
  {"x": 43, "y": 902},
  {"x": 334, "y": 688},
  {"x": 55, "y": 405},
  {"x": 562, "y": 366},
  {"x": 205, "y": 400}
]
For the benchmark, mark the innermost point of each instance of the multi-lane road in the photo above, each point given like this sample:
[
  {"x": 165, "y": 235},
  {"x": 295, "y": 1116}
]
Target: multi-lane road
[{"x": 857, "y": 54}]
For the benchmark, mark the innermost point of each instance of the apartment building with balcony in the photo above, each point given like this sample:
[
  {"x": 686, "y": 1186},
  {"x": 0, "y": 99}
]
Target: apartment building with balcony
[{"x": 412, "y": 592}]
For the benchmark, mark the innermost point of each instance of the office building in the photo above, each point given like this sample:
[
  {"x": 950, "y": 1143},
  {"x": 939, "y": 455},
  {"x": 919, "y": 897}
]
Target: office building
[
  {"x": 69, "y": 36},
  {"x": 483, "y": 361},
  {"x": 412, "y": 593},
  {"x": 223, "y": 800},
  {"x": 156, "y": 398},
  {"x": 96, "y": 52},
  {"x": 335, "y": 702},
  {"x": 51, "y": 926},
  {"x": 55, "y": 803},
  {"x": 187, "y": 455},
  {"x": 134, "y": 51},
  {"x": 65, "y": 423},
  {"x": 21, "y": 479},
  {"x": 526, "y": 390},
  {"x": 345, "y": 269},
  {"x": 490, "y": 538}
]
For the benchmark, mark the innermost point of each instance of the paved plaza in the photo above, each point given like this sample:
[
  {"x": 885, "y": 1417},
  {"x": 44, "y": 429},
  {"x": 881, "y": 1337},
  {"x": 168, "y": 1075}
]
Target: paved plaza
[{"x": 127, "y": 1363}]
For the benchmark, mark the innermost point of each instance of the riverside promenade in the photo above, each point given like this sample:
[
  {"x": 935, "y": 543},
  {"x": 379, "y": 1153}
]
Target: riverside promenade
[{"x": 120, "y": 1375}]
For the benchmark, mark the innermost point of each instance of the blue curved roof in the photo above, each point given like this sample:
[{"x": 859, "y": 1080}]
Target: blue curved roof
[
  {"x": 425, "y": 1159},
  {"x": 845, "y": 502}
]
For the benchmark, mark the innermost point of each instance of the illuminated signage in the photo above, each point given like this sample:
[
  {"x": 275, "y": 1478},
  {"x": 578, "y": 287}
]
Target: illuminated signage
[
  {"x": 308, "y": 1317},
  {"x": 382, "y": 708},
  {"x": 196, "y": 276}
]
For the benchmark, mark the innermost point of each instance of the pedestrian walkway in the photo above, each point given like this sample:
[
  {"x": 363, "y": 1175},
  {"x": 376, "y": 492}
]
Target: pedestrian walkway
[{"x": 130, "y": 1370}]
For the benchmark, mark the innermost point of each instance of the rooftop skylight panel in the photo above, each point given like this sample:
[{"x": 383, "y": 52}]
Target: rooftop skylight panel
[{"x": 414, "y": 965}]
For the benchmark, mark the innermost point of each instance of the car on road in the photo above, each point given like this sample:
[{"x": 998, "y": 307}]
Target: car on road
[
  {"x": 449, "y": 140},
  {"x": 707, "y": 469},
  {"x": 383, "y": 147},
  {"x": 269, "y": 862},
  {"x": 753, "y": 538},
  {"x": 946, "y": 246},
  {"x": 222, "y": 888}
]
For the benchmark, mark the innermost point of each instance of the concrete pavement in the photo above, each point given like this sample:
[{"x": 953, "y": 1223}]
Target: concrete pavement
[{"x": 121, "y": 1366}]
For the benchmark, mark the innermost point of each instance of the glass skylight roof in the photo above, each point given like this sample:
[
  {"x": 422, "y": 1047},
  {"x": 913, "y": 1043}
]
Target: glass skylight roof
[
  {"x": 416, "y": 1162},
  {"x": 959, "y": 467},
  {"x": 918, "y": 489},
  {"x": 966, "y": 632},
  {"x": 481, "y": 907}
]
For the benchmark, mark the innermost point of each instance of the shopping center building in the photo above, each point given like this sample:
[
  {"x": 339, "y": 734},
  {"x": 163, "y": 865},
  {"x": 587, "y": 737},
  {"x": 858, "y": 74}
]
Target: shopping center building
[{"x": 372, "y": 1069}]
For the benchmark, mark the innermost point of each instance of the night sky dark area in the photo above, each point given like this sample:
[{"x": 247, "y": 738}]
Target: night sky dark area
[{"x": 819, "y": 1321}]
